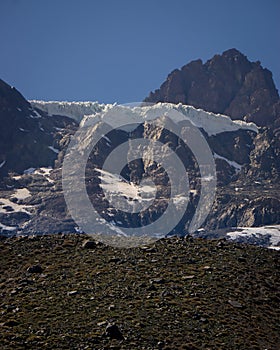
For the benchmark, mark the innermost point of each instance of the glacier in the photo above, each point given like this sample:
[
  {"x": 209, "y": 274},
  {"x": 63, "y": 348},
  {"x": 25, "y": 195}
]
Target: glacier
[{"x": 88, "y": 113}]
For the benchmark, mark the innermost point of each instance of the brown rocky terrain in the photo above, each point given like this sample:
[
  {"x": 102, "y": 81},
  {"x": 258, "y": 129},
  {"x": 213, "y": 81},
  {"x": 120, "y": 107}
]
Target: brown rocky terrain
[{"x": 67, "y": 292}]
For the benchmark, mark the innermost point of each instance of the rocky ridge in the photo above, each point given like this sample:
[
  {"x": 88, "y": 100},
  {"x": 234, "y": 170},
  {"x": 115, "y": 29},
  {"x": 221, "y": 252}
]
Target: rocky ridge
[
  {"x": 229, "y": 84},
  {"x": 28, "y": 137}
]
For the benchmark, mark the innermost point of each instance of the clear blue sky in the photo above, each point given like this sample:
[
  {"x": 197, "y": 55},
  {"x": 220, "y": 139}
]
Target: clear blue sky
[{"x": 120, "y": 50}]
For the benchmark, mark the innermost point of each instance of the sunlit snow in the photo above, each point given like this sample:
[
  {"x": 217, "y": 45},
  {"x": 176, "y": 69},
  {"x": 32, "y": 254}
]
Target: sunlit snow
[
  {"x": 230, "y": 162},
  {"x": 5, "y": 204},
  {"x": 92, "y": 111},
  {"x": 74, "y": 110},
  {"x": 273, "y": 232},
  {"x": 21, "y": 193},
  {"x": 55, "y": 150},
  {"x": 7, "y": 228}
]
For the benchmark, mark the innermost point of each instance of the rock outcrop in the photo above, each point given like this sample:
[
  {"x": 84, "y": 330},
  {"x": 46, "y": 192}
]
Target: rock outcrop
[{"x": 229, "y": 84}]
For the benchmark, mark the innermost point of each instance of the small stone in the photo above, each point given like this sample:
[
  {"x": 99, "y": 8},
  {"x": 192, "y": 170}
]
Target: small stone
[
  {"x": 207, "y": 268},
  {"x": 148, "y": 249},
  {"x": 35, "y": 269},
  {"x": 113, "y": 331},
  {"x": 72, "y": 292},
  {"x": 114, "y": 259},
  {"x": 157, "y": 281},
  {"x": 151, "y": 288},
  {"x": 235, "y": 303},
  {"x": 10, "y": 323},
  {"x": 241, "y": 259},
  {"x": 189, "y": 277},
  {"x": 89, "y": 244},
  {"x": 221, "y": 244}
]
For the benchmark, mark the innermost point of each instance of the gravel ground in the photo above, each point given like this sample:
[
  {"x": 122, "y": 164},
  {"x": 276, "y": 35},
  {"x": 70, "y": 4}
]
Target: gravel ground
[{"x": 69, "y": 292}]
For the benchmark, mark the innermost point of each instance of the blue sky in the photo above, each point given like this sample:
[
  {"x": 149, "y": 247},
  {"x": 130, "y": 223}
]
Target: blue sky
[{"x": 120, "y": 50}]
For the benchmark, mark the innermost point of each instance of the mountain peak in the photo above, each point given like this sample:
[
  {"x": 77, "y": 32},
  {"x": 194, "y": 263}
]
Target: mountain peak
[
  {"x": 232, "y": 53},
  {"x": 11, "y": 96},
  {"x": 228, "y": 84}
]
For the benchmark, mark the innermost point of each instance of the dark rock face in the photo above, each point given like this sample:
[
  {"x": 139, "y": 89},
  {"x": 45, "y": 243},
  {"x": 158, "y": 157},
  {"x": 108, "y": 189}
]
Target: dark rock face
[
  {"x": 265, "y": 156},
  {"x": 257, "y": 207},
  {"x": 51, "y": 214},
  {"x": 27, "y": 138},
  {"x": 229, "y": 84},
  {"x": 232, "y": 85}
]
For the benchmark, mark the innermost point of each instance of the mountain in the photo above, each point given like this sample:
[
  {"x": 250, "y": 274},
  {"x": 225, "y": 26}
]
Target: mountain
[
  {"x": 47, "y": 202},
  {"x": 28, "y": 137},
  {"x": 64, "y": 169},
  {"x": 34, "y": 201},
  {"x": 229, "y": 84},
  {"x": 246, "y": 155}
]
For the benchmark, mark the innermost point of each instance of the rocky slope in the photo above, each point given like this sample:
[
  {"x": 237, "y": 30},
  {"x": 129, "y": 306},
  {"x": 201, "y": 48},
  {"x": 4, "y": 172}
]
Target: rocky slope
[
  {"x": 28, "y": 137},
  {"x": 228, "y": 84},
  {"x": 231, "y": 84},
  {"x": 65, "y": 292},
  {"x": 43, "y": 210}
]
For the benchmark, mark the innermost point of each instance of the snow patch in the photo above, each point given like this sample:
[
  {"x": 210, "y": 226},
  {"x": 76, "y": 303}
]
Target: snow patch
[
  {"x": 7, "y": 228},
  {"x": 258, "y": 233},
  {"x": 44, "y": 171},
  {"x": 117, "y": 184},
  {"x": 108, "y": 141},
  {"x": 180, "y": 200},
  {"x": 6, "y": 204},
  {"x": 125, "y": 195},
  {"x": 230, "y": 162},
  {"x": 78, "y": 229},
  {"x": 29, "y": 171},
  {"x": 36, "y": 116},
  {"x": 55, "y": 150},
  {"x": 21, "y": 193},
  {"x": 74, "y": 110}
]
